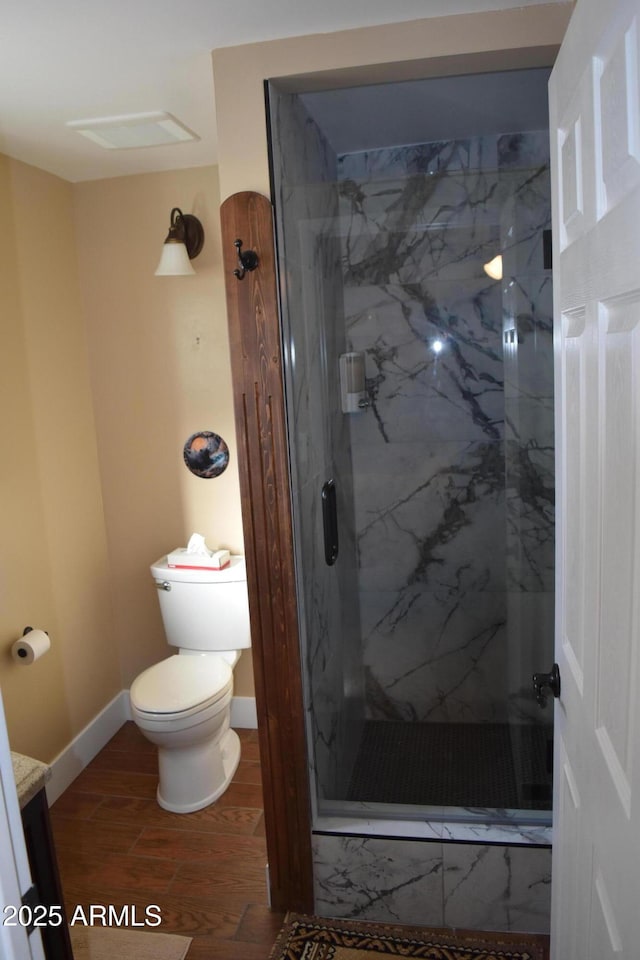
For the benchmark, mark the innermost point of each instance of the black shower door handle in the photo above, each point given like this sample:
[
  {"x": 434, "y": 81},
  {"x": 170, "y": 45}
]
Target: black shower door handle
[
  {"x": 550, "y": 680},
  {"x": 330, "y": 522}
]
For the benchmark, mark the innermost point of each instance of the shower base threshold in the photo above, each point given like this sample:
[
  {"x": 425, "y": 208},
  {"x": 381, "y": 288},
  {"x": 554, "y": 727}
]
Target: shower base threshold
[
  {"x": 447, "y": 825},
  {"x": 482, "y": 783}
]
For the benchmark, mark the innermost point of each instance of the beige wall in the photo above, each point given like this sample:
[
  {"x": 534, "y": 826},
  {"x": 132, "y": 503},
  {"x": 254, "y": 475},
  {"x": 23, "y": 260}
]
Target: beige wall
[
  {"x": 431, "y": 47},
  {"x": 159, "y": 361},
  {"x": 105, "y": 372},
  {"x": 53, "y": 559}
]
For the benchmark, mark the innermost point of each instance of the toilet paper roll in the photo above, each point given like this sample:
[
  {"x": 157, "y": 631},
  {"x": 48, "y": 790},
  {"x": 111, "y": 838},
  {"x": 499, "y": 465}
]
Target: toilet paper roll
[{"x": 30, "y": 647}]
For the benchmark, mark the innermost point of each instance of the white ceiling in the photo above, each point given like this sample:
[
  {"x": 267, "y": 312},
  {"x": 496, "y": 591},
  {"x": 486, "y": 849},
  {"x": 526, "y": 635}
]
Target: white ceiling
[{"x": 78, "y": 59}]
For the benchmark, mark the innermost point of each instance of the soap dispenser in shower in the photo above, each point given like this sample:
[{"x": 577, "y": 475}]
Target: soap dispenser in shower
[{"x": 353, "y": 394}]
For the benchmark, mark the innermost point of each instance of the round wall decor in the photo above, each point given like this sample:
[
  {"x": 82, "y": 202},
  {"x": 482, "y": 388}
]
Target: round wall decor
[{"x": 206, "y": 454}]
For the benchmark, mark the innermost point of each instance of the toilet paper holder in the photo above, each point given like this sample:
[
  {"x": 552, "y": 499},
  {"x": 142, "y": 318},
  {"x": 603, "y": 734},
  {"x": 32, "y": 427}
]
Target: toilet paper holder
[{"x": 32, "y": 645}]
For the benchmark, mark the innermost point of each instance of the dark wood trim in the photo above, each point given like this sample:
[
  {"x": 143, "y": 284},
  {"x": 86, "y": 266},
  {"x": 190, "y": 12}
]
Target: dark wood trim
[
  {"x": 256, "y": 363},
  {"x": 41, "y": 853}
]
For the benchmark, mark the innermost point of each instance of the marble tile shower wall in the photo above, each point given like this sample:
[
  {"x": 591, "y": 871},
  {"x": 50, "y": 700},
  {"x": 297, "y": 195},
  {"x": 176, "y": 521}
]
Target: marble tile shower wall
[
  {"x": 430, "y": 884},
  {"x": 453, "y": 461},
  {"x": 313, "y": 327}
]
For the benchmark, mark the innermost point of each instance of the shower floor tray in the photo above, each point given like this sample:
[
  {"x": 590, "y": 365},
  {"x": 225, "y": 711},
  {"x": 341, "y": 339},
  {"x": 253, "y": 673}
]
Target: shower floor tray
[{"x": 453, "y": 764}]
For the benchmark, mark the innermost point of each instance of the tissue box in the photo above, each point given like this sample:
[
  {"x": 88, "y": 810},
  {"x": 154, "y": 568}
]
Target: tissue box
[{"x": 181, "y": 557}]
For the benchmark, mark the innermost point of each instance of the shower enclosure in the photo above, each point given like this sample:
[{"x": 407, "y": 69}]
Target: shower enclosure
[{"x": 423, "y": 515}]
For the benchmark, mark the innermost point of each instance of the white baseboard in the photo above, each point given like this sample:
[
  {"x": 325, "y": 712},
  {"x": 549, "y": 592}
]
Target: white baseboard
[
  {"x": 243, "y": 713},
  {"x": 90, "y": 741}
]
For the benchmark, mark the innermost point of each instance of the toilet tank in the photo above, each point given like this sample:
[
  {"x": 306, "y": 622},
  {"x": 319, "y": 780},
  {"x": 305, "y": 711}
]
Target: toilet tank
[{"x": 204, "y": 609}]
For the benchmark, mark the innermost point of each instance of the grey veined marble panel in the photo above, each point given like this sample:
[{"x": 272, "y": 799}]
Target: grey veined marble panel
[
  {"x": 473, "y": 886},
  {"x": 393, "y": 881},
  {"x": 497, "y": 888},
  {"x": 453, "y": 460}
]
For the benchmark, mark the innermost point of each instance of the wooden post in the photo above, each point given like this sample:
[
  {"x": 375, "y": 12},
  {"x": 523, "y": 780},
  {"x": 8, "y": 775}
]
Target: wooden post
[{"x": 256, "y": 362}]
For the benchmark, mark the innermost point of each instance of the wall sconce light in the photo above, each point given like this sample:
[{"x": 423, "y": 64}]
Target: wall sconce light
[
  {"x": 493, "y": 269},
  {"x": 184, "y": 242}
]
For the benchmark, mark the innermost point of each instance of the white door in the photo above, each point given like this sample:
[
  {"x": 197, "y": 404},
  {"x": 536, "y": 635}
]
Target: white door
[
  {"x": 15, "y": 877},
  {"x": 595, "y": 133}
]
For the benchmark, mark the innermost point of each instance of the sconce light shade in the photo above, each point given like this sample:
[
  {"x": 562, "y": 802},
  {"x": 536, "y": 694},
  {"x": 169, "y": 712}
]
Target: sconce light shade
[
  {"x": 184, "y": 242},
  {"x": 174, "y": 261}
]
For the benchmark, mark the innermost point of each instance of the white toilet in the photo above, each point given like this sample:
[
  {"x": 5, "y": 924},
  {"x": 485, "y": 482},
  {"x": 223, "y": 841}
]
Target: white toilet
[{"x": 183, "y": 703}]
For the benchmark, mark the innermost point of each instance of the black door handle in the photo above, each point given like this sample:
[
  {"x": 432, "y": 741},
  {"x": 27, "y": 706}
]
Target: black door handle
[
  {"x": 330, "y": 522},
  {"x": 551, "y": 680}
]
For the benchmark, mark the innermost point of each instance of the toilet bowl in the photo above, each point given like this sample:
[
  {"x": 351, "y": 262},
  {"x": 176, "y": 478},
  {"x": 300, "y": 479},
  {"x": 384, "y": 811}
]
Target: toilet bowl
[{"x": 182, "y": 704}]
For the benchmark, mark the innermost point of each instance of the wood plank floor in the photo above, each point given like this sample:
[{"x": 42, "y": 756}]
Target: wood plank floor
[{"x": 206, "y": 870}]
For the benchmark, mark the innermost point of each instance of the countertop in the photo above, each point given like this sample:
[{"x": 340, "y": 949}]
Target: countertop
[{"x": 30, "y": 776}]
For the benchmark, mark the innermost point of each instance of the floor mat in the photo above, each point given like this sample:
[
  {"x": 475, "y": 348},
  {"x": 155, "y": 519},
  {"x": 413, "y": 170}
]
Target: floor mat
[
  {"x": 313, "y": 938},
  {"x": 105, "y": 943}
]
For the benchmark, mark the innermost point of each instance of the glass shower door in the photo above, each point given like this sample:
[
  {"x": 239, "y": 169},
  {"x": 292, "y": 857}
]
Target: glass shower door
[{"x": 420, "y": 640}]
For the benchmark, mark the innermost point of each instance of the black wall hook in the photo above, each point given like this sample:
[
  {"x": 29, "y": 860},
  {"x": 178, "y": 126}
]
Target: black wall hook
[{"x": 246, "y": 261}]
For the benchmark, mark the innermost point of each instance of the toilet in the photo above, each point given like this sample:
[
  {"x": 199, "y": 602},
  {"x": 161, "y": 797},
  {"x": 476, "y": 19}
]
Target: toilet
[{"x": 183, "y": 703}]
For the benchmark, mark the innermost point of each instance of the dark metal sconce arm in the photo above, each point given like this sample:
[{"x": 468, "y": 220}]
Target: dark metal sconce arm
[{"x": 187, "y": 229}]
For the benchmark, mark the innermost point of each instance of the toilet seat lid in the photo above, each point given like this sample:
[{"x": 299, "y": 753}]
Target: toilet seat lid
[{"x": 181, "y": 683}]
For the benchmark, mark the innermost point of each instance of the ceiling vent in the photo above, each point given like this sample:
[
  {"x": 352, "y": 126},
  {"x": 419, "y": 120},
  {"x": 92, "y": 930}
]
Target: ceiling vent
[{"x": 133, "y": 130}]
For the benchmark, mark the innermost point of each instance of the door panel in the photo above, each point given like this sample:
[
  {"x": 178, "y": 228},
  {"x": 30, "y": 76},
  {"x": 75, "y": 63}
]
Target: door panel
[
  {"x": 616, "y": 691},
  {"x": 595, "y": 145},
  {"x": 618, "y": 119},
  {"x": 577, "y": 514},
  {"x": 568, "y": 849}
]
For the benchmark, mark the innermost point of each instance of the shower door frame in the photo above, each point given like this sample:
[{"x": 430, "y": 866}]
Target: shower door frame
[{"x": 275, "y": 640}]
